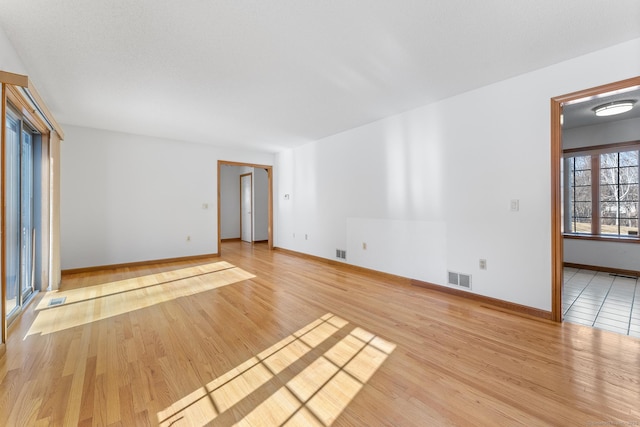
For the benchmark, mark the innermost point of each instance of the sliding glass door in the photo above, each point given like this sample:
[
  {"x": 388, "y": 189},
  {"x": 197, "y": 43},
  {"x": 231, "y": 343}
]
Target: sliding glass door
[{"x": 19, "y": 230}]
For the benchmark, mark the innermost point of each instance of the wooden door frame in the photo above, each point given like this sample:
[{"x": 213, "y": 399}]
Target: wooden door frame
[
  {"x": 250, "y": 175},
  {"x": 557, "y": 255},
  {"x": 269, "y": 170}
]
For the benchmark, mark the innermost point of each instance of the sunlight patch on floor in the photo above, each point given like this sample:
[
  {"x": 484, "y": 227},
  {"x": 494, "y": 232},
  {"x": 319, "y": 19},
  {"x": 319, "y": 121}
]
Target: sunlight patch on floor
[
  {"x": 94, "y": 303},
  {"x": 315, "y": 396},
  {"x": 134, "y": 283}
]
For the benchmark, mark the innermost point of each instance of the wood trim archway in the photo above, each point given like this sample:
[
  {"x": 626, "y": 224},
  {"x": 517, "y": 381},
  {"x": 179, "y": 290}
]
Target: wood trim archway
[
  {"x": 269, "y": 170},
  {"x": 557, "y": 255}
]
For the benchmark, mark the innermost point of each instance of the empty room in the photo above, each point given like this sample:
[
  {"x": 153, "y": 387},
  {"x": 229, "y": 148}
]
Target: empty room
[{"x": 354, "y": 213}]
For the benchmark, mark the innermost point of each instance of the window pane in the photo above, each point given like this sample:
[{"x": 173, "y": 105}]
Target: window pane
[
  {"x": 628, "y": 208},
  {"x": 608, "y": 160},
  {"x": 582, "y": 177},
  {"x": 629, "y": 158},
  {"x": 582, "y": 209},
  {"x": 619, "y": 192},
  {"x": 608, "y": 176},
  {"x": 626, "y": 227},
  {"x": 608, "y": 192},
  {"x": 581, "y": 225},
  {"x": 582, "y": 163},
  {"x": 629, "y": 193},
  {"x": 628, "y": 175},
  {"x": 582, "y": 194},
  {"x": 632, "y": 228},
  {"x": 609, "y": 209}
]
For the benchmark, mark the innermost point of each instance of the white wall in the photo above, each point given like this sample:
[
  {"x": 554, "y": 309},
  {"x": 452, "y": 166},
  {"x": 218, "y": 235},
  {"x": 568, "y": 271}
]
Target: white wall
[
  {"x": 429, "y": 190},
  {"x": 9, "y": 59},
  {"x": 605, "y": 133},
  {"x": 625, "y": 256},
  {"x": 128, "y": 198}
]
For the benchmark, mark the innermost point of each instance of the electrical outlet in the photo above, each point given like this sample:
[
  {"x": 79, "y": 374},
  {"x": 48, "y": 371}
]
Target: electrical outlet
[
  {"x": 364, "y": 246},
  {"x": 483, "y": 264},
  {"x": 306, "y": 237},
  {"x": 188, "y": 238}
]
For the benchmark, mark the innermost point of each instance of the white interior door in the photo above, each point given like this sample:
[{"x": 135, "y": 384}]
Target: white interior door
[{"x": 246, "y": 218}]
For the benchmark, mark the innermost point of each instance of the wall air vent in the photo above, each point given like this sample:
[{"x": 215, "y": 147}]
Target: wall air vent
[
  {"x": 454, "y": 278},
  {"x": 341, "y": 254},
  {"x": 459, "y": 279},
  {"x": 465, "y": 281}
]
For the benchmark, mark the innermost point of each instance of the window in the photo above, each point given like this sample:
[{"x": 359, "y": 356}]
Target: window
[
  {"x": 602, "y": 192},
  {"x": 619, "y": 193},
  {"x": 581, "y": 203}
]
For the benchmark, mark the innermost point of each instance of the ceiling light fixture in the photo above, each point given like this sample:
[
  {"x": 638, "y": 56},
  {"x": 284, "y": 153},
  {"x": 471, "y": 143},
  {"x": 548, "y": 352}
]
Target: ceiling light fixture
[{"x": 613, "y": 108}]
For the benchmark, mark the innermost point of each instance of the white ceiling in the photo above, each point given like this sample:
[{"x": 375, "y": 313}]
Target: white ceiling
[{"x": 273, "y": 74}]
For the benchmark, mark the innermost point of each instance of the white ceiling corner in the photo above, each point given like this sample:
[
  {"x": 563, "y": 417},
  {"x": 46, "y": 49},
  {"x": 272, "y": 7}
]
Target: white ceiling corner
[{"x": 268, "y": 75}]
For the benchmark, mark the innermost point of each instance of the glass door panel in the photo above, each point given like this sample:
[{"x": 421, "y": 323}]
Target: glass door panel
[
  {"x": 26, "y": 215},
  {"x": 12, "y": 215}
]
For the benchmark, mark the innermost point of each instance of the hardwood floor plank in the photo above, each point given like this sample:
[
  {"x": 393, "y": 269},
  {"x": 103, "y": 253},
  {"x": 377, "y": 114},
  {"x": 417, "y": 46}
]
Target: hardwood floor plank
[
  {"x": 263, "y": 337},
  {"x": 78, "y": 354},
  {"x": 25, "y": 411},
  {"x": 88, "y": 390}
]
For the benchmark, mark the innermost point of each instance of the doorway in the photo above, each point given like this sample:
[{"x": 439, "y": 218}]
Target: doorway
[
  {"x": 246, "y": 204},
  {"x": 262, "y": 189},
  {"x": 558, "y": 227}
]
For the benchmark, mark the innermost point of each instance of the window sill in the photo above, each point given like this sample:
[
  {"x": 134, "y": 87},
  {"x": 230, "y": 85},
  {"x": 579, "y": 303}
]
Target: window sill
[{"x": 601, "y": 238}]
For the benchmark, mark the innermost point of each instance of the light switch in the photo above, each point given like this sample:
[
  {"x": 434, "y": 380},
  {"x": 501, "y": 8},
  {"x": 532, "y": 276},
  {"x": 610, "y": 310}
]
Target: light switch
[{"x": 515, "y": 205}]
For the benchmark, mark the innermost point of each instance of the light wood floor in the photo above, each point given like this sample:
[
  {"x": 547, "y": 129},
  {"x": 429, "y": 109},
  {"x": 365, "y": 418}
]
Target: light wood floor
[{"x": 266, "y": 338}]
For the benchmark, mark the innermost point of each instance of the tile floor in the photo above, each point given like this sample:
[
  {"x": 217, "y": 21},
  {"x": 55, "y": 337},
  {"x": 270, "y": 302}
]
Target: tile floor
[{"x": 602, "y": 300}]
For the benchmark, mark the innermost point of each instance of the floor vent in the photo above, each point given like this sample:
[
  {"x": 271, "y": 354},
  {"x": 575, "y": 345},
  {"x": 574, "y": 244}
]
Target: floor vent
[
  {"x": 341, "y": 254},
  {"x": 56, "y": 301},
  {"x": 461, "y": 280}
]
